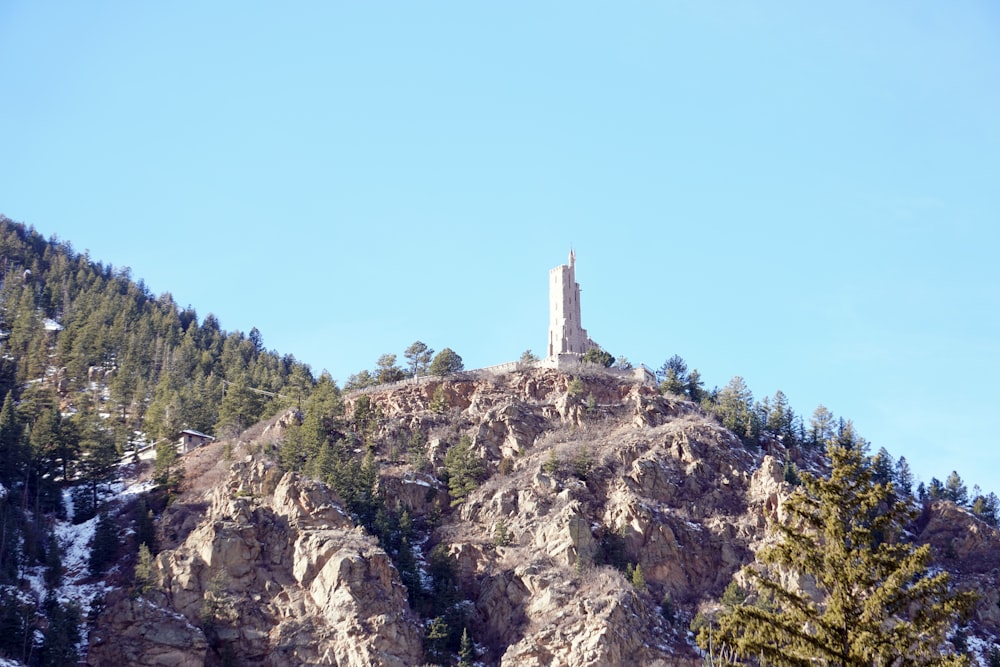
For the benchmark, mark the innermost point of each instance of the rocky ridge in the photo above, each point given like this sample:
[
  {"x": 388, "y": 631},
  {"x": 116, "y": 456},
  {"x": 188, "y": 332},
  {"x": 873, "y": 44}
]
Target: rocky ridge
[{"x": 585, "y": 484}]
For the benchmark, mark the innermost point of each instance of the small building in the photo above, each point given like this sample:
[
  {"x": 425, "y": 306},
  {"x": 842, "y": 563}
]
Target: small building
[{"x": 190, "y": 439}]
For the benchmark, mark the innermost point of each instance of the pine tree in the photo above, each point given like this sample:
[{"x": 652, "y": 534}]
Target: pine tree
[
  {"x": 419, "y": 357},
  {"x": 820, "y": 426},
  {"x": 734, "y": 409},
  {"x": 955, "y": 489},
  {"x": 105, "y": 545},
  {"x": 11, "y": 447},
  {"x": 61, "y": 635},
  {"x": 694, "y": 387},
  {"x": 144, "y": 575},
  {"x": 465, "y": 470},
  {"x": 903, "y": 478},
  {"x": 878, "y": 603},
  {"x": 446, "y": 361},
  {"x": 168, "y": 471},
  {"x": 467, "y": 650}
]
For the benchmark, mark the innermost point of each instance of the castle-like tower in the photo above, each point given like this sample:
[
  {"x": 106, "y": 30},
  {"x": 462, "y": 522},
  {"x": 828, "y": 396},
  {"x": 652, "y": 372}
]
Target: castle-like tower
[{"x": 566, "y": 334}]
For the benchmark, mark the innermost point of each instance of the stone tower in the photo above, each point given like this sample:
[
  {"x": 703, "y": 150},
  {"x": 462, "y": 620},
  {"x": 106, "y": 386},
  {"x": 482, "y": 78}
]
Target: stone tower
[{"x": 566, "y": 334}]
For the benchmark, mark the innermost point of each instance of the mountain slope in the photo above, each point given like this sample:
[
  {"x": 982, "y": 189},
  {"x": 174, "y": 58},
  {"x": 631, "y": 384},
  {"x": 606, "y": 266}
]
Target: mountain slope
[{"x": 593, "y": 513}]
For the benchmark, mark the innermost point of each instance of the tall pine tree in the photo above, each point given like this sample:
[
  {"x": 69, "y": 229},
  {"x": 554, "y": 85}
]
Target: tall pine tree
[{"x": 877, "y": 603}]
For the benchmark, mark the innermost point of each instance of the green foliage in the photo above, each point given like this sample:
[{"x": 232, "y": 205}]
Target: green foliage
[
  {"x": 241, "y": 406},
  {"x": 583, "y": 463},
  {"x": 673, "y": 375},
  {"x": 502, "y": 536},
  {"x": 575, "y": 387},
  {"x": 734, "y": 408},
  {"x": 637, "y": 578},
  {"x": 466, "y": 650},
  {"x": 465, "y": 470},
  {"x": 61, "y": 635},
  {"x": 821, "y": 427},
  {"x": 443, "y": 604},
  {"x": 144, "y": 576},
  {"x": 105, "y": 546},
  {"x": 528, "y": 357},
  {"x": 162, "y": 369},
  {"x": 447, "y": 361},
  {"x": 694, "y": 387},
  {"x": 791, "y": 472},
  {"x": 954, "y": 489},
  {"x": 987, "y": 508},
  {"x": 17, "y": 619},
  {"x": 387, "y": 370},
  {"x": 551, "y": 464},
  {"x": 596, "y": 355},
  {"x": 779, "y": 419},
  {"x": 878, "y": 601},
  {"x": 436, "y": 641},
  {"x": 304, "y": 440},
  {"x": 168, "y": 471},
  {"x": 903, "y": 477},
  {"x": 417, "y": 452},
  {"x": 12, "y": 451},
  {"x": 439, "y": 400},
  {"x": 145, "y": 528},
  {"x": 98, "y": 454},
  {"x": 733, "y": 596},
  {"x": 418, "y": 356},
  {"x": 611, "y": 549},
  {"x": 667, "y": 608},
  {"x": 622, "y": 363}
]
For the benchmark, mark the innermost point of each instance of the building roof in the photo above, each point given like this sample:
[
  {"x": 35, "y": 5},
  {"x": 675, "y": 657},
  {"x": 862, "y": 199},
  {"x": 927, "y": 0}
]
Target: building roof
[{"x": 197, "y": 434}]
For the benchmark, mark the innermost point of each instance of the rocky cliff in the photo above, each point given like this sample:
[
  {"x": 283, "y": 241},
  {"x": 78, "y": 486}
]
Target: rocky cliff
[{"x": 610, "y": 515}]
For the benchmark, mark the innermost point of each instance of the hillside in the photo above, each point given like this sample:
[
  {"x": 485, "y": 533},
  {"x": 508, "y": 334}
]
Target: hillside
[
  {"x": 518, "y": 515},
  {"x": 538, "y": 564}
]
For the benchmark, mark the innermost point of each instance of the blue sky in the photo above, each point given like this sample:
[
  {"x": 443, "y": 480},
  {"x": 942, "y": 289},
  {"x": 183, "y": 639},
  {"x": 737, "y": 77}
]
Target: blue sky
[{"x": 802, "y": 194}]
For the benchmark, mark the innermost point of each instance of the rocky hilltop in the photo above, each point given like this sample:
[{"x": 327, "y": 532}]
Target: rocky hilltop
[{"x": 608, "y": 517}]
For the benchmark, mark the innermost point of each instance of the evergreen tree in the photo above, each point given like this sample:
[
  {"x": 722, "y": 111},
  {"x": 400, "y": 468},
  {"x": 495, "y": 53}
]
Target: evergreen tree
[
  {"x": 596, "y": 355},
  {"x": 465, "y": 470},
  {"x": 735, "y": 409},
  {"x": 878, "y": 603},
  {"x": 144, "y": 574},
  {"x": 676, "y": 368},
  {"x": 903, "y": 477},
  {"x": 105, "y": 545},
  {"x": 61, "y": 635},
  {"x": 882, "y": 466},
  {"x": 447, "y": 361},
  {"x": 467, "y": 650},
  {"x": 11, "y": 449},
  {"x": 419, "y": 356},
  {"x": 387, "y": 370},
  {"x": 168, "y": 471},
  {"x": 241, "y": 406},
  {"x": 987, "y": 508},
  {"x": 99, "y": 456},
  {"x": 694, "y": 387},
  {"x": 820, "y": 427},
  {"x": 955, "y": 489}
]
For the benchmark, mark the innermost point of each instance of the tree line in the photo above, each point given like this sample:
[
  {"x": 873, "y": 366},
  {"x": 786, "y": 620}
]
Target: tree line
[
  {"x": 420, "y": 360},
  {"x": 759, "y": 423}
]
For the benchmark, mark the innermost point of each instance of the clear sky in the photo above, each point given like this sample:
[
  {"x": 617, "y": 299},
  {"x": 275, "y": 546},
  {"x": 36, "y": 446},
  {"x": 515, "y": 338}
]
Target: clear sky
[{"x": 804, "y": 194}]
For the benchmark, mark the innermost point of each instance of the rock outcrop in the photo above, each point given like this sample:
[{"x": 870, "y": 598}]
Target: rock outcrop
[
  {"x": 610, "y": 515},
  {"x": 275, "y": 574}
]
